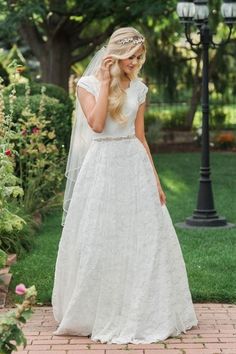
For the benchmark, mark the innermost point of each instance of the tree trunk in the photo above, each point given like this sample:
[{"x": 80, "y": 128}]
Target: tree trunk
[
  {"x": 56, "y": 53},
  {"x": 197, "y": 89},
  {"x": 56, "y": 61},
  {"x": 196, "y": 96}
]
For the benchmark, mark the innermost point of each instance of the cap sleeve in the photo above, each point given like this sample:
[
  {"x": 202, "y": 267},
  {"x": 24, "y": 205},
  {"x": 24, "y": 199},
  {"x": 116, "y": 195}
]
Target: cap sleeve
[
  {"x": 87, "y": 83},
  {"x": 142, "y": 92}
]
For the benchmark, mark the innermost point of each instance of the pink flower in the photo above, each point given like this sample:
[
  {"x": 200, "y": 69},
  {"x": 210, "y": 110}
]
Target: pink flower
[
  {"x": 35, "y": 130},
  {"x": 24, "y": 132},
  {"x": 8, "y": 152},
  {"x": 20, "y": 289}
]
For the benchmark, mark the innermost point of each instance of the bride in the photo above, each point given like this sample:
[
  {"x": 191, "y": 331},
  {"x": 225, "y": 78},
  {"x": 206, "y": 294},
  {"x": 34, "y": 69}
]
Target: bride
[{"x": 120, "y": 275}]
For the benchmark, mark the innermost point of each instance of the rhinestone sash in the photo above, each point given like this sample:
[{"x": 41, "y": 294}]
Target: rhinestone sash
[{"x": 109, "y": 138}]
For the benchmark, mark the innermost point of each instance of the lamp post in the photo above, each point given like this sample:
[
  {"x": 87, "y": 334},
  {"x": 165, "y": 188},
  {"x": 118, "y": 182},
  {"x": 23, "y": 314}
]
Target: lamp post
[{"x": 197, "y": 12}]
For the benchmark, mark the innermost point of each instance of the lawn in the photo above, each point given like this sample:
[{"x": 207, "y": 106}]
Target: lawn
[{"x": 210, "y": 255}]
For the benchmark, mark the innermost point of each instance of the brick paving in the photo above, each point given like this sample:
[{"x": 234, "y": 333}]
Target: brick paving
[{"x": 215, "y": 334}]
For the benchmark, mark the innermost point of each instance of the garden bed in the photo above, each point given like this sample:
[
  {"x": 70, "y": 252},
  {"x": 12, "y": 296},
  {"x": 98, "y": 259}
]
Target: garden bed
[
  {"x": 186, "y": 141},
  {"x": 183, "y": 147}
]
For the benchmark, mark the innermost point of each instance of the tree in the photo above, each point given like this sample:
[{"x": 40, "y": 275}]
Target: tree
[
  {"x": 55, "y": 30},
  {"x": 221, "y": 64},
  {"x": 61, "y": 33}
]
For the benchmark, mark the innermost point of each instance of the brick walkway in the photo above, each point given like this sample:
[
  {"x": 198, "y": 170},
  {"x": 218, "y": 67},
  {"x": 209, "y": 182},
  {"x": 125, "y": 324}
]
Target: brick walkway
[{"x": 215, "y": 334}]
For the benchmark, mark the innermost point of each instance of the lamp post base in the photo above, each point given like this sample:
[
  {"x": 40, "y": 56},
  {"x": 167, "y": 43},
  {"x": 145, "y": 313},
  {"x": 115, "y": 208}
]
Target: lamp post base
[
  {"x": 184, "y": 225},
  {"x": 205, "y": 219}
]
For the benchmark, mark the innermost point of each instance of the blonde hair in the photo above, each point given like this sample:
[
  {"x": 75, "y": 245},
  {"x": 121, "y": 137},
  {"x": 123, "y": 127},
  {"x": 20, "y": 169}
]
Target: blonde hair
[{"x": 120, "y": 48}]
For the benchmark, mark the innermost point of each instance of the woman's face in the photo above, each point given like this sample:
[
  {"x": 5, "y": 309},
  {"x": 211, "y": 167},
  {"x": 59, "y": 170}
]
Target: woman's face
[{"x": 130, "y": 64}]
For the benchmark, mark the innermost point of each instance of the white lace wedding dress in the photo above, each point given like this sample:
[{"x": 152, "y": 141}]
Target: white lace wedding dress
[{"x": 120, "y": 275}]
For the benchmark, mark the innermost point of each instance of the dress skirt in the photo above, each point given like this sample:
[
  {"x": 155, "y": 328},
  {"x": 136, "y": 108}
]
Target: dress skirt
[{"x": 120, "y": 274}]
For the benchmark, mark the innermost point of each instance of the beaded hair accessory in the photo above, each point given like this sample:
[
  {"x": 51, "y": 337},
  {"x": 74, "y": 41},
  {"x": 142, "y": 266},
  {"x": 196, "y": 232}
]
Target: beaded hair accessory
[{"x": 134, "y": 40}]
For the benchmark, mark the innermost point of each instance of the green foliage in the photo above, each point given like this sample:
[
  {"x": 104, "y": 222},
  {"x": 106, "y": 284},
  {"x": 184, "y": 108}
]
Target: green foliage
[
  {"x": 176, "y": 120},
  {"x": 31, "y": 160},
  {"x": 11, "y": 334},
  {"x": 217, "y": 118},
  {"x": 40, "y": 160},
  {"x": 171, "y": 119},
  {"x": 36, "y": 88},
  {"x": 58, "y": 107},
  {"x": 4, "y": 75},
  {"x": 18, "y": 241},
  {"x": 3, "y": 258},
  {"x": 10, "y": 189},
  {"x": 150, "y": 118},
  {"x": 153, "y": 126}
]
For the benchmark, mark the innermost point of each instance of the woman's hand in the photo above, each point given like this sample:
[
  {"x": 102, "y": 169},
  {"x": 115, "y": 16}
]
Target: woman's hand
[
  {"x": 105, "y": 68},
  {"x": 162, "y": 195}
]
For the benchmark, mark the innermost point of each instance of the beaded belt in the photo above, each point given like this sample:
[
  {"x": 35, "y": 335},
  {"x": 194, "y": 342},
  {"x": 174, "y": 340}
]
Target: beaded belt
[{"x": 106, "y": 138}]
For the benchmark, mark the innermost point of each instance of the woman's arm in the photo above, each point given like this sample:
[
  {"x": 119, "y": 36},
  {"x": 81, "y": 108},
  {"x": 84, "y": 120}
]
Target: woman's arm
[
  {"x": 140, "y": 133},
  {"x": 96, "y": 111}
]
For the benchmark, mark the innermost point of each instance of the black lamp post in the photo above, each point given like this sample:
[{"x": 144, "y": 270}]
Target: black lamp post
[{"x": 196, "y": 12}]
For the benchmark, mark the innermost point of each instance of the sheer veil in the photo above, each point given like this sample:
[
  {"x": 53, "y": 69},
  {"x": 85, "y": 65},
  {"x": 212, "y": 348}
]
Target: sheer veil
[{"x": 81, "y": 137}]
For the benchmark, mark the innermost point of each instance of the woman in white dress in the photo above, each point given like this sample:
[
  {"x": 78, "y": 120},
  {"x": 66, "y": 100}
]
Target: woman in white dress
[{"x": 120, "y": 275}]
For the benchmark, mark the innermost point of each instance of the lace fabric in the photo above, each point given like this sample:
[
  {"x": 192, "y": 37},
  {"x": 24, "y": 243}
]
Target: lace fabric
[{"x": 120, "y": 274}]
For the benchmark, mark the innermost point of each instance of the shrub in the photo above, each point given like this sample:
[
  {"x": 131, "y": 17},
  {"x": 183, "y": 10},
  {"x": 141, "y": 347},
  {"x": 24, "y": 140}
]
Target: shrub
[
  {"x": 28, "y": 147},
  {"x": 10, "y": 189},
  {"x": 225, "y": 140},
  {"x": 217, "y": 118},
  {"x": 36, "y": 89},
  {"x": 58, "y": 107},
  {"x": 3, "y": 259},
  {"x": 153, "y": 126},
  {"x": 53, "y": 112},
  {"x": 175, "y": 120},
  {"x": 40, "y": 163},
  {"x": 150, "y": 118},
  {"x": 11, "y": 334},
  {"x": 4, "y": 75}
]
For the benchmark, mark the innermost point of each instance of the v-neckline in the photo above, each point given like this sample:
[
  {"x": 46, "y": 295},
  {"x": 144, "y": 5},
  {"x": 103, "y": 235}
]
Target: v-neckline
[{"x": 128, "y": 86}]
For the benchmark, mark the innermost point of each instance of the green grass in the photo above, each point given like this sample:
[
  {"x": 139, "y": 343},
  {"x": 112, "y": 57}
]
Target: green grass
[
  {"x": 210, "y": 255},
  {"x": 37, "y": 268}
]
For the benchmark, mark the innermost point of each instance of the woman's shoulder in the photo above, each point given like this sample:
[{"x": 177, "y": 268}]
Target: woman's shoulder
[
  {"x": 90, "y": 79},
  {"x": 141, "y": 89},
  {"x": 88, "y": 82},
  {"x": 140, "y": 84}
]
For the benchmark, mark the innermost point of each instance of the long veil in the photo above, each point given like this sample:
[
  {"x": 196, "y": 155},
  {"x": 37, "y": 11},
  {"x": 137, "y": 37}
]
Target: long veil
[{"x": 81, "y": 137}]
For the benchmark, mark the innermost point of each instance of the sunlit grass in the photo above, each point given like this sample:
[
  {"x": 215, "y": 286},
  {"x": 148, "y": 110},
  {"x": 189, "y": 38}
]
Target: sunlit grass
[
  {"x": 176, "y": 187},
  {"x": 209, "y": 254}
]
